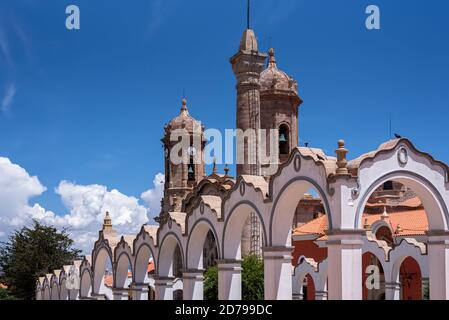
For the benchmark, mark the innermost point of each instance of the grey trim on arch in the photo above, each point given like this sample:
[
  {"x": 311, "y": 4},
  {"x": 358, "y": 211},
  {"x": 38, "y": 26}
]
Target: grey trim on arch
[
  {"x": 249, "y": 203},
  {"x": 316, "y": 186},
  {"x": 161, "y": 245},
  {"x": 391, "y": 176},
  {"x": 215, "y": 236},
  {"x": 137, "y": 255},
  {"x": 116, "y": 265}
]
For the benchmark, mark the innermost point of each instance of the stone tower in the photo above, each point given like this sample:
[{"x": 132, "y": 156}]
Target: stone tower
[
  {"x": 247, "y": 64},
  {"x": 279, "y": 102},
  {"x": 181, "y": 178}
]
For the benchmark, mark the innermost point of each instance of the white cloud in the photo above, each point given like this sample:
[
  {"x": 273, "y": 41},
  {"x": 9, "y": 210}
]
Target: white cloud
[
  {"x": 153, "y": 196},
  {"x": 8, "y": 97},
  {"x": 17, "y": 187},
  {"x": 86, "y": 206}
]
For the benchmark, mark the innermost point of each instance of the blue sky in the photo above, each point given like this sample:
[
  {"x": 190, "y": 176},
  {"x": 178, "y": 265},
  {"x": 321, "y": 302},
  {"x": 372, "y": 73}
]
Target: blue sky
[{"x": 88, "y": 106}]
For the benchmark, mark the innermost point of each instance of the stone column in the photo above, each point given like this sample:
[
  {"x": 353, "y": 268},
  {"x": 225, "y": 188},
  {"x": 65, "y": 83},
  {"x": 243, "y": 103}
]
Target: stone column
[
  {"x": 192, "y": 280},
  {"x": 120, "y": 293},
  {"x": 297, "y": 296},
  {"x": 229, "y": 279},
  {"x": 345, "y": 264},
  {"x": 163, "y": 288},
  {"x": 320, "y": 295},
  {"x": 438, "y": 255},
  {"x": 392, "y": 291},
  {"x": 139, "y": 291},
  {"x": 277, "y": 273}
]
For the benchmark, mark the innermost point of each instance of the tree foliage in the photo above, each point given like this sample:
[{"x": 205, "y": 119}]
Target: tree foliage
[
  {"x": 4, "y": 295},
  {"x": 211, "y": 283},
  {"x": 33, "y": 252},
  {"x": 252, "y": 280}
]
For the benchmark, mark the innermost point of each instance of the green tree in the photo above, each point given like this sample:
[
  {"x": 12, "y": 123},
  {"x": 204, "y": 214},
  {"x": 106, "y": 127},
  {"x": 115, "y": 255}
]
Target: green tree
[
  {"x": 4, "y": 295},
  {"x": 211, "y": 283},
  {"x": 252, "y": 280},
  {"x": 33, "y": 252}
]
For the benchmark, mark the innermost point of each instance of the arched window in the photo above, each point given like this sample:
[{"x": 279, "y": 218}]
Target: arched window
[
  {"x": 191, "y": 170},
  {"x": 284, "y": 139}
]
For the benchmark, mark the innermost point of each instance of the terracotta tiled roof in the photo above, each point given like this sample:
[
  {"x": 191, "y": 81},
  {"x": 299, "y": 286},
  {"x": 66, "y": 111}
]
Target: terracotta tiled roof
[
  {"x": 108, "y": 280},
  {"x": 414, "y": 202},
  {"x": 317, "y": 227},
  {"x": 412, "y": 223},
  {"x": 150, "y": 267}
]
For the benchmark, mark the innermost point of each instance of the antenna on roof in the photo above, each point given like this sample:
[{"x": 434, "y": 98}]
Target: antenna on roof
[
  {"x": 183, "y": 93},
  {"x": 391, "y": 130},
  {"x": 248, "y": 14}
]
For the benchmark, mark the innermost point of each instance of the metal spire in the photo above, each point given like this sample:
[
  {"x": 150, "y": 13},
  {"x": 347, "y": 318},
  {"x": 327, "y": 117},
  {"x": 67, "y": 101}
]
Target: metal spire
[{"x": 248, "y": 14}]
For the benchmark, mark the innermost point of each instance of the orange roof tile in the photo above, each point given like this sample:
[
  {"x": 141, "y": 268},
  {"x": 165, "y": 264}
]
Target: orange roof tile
[
  {"x": 412, "y": 222},
  {"x": 150, "y": 267},
  {"x": 317, "y": 226},
  {"x": 412, "y": 203},
  {"x": 108, "y": 280}
]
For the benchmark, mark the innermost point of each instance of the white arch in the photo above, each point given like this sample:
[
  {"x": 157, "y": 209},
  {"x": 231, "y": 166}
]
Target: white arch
[
  {"x": 124, "y": 261},
  {"x": 246, "y": 197},
  {"x": 300, "y": 174},
  {"x": 63, "y": 292},
  {"x": 85, "y": 279},
  {"x": 203, "y": 219},
  {"x": 408, "y": 247},
  {"x": 418, "y": 171},
  {"x": 144, "y": 248}
]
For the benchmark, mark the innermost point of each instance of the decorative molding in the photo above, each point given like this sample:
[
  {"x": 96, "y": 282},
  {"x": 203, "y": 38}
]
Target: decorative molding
[
  {"x": 297, "y": 163},
  {"x": 402, "y": 156}
]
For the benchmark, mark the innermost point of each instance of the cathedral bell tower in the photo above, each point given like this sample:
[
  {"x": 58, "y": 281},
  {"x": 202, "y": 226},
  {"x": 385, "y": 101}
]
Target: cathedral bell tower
[
  {"x": 247, "y": 64},
  {"x": 279, "y": 102},
  {"x": 181, "y": 176}
]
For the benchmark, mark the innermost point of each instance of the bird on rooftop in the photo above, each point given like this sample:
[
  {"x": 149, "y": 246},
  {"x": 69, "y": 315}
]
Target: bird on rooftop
[{"x": 397, "y": 136}]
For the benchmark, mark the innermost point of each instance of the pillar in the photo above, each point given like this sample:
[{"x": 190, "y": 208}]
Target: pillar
[
  {"x": 120, "y": 293},
  {"x": 438, "y": 255},
  {"x": 392, "y": 291},
  {"x": 277, "y": 273},
  {"x": 139, "y": 291},
  {"x": 193, "y": 280},
  {"x": 229, "y": 279},
  {"x": 320, "y": 295},
  {"x": 163, "y": 288},
  {"x": 345, "y": 264}
]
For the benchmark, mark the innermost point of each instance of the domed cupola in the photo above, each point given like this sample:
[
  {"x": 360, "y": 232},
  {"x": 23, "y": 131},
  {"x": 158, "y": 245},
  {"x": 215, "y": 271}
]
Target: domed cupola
[
  {"x": 279, "y": 102},
  {"x": 181, "y": 176},
  {"x": 183, "y": 121},
  {"x": 272, "y": 78}
]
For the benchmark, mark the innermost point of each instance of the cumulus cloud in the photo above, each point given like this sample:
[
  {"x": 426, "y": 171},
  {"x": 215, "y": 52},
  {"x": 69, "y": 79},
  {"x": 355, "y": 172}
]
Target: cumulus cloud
[
  {"x": 86, "y": 205},
  {"x": 152, "y": 197},
  {"x": 17, "y": 187},
  {"x": 8, "y": 97}
]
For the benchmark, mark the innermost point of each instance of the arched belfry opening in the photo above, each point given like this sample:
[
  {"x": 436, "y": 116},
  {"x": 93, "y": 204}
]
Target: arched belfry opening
[{"x": 284, "y": 139}]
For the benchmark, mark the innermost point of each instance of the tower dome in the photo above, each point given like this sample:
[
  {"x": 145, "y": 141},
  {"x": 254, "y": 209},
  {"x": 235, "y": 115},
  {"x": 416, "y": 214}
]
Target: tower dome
[
  {"x": 183, "y": 121},
  {"x": 272, "y": 78}
]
